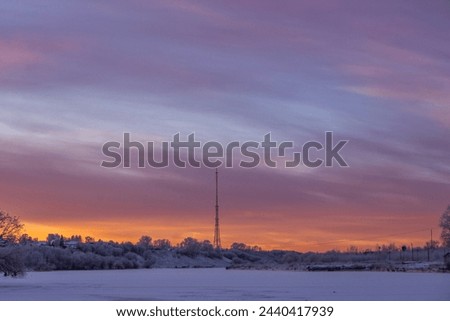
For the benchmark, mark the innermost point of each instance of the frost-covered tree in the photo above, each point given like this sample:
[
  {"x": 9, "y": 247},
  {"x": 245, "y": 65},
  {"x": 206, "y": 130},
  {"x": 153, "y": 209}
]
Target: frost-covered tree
[
  {"x": 239, "y": 246},
  {"x": 25, "y": 239},
  {"x": 89, "y": 239},
  {"x": 189, "y": 247},
  {"x": 11, "y": 259},
  {"x": 145, "y": 242},
  {"x": 10, "y": 228},
  {"x": 162, "y": 244},
  {"x": 445, "y": 225}
]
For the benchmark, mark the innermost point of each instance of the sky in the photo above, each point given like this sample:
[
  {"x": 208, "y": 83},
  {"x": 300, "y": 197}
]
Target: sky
[{"x": 376, "y": 73}]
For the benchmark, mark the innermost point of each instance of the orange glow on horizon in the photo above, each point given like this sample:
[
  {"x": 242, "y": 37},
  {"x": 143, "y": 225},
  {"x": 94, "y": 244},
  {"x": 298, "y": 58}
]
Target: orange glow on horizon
[{"x": 114, "y": 231}]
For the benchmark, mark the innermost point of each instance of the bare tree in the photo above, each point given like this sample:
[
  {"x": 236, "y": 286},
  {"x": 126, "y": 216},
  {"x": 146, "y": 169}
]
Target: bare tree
[
  {"x": 10, "y": 227},
  {"x": 11, "y": 258},
  {"x": 445, "y": 225}
]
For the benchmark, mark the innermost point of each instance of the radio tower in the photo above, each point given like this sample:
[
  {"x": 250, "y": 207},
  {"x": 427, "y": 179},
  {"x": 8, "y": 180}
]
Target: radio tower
[{"x": 217, "y": 244}]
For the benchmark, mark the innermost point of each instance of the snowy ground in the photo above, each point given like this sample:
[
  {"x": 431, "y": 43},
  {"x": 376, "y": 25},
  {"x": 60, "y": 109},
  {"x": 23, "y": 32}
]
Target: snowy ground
[{"x": 221, "y": 284}]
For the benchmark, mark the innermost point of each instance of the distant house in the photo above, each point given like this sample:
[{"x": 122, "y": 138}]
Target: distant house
[
  {"x": 447, "y": 260},
  {"x": 71, "y": 244}
]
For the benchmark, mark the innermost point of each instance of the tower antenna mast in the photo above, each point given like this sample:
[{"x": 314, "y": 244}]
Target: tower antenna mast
[{"x": 217, "y": 244}]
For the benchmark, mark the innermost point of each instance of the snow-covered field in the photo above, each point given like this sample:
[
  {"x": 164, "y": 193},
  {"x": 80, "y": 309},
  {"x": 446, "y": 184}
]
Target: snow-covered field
[{"x": 221, "y": 284}]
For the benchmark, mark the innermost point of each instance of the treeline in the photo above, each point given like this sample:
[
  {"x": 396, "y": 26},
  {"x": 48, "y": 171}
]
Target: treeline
[
  {"x": 60, "y": 253},
  {"x": 311, "y": 258},
  {"x": 384, "y": 258},
  {"x": 75, "y": 253}
]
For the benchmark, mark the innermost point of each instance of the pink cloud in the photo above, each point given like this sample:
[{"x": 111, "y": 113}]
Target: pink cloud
[
  {"x": 16, "y": 54},
  {"x": 417, "y": 78}
]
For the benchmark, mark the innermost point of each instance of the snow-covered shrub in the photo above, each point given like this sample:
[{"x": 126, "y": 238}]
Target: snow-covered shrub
[{"x": 11, "y": 261}]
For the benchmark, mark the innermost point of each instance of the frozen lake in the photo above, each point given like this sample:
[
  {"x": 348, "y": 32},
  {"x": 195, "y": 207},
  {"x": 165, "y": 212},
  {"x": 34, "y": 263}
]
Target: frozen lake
[{"x": 221, "y": 284}]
